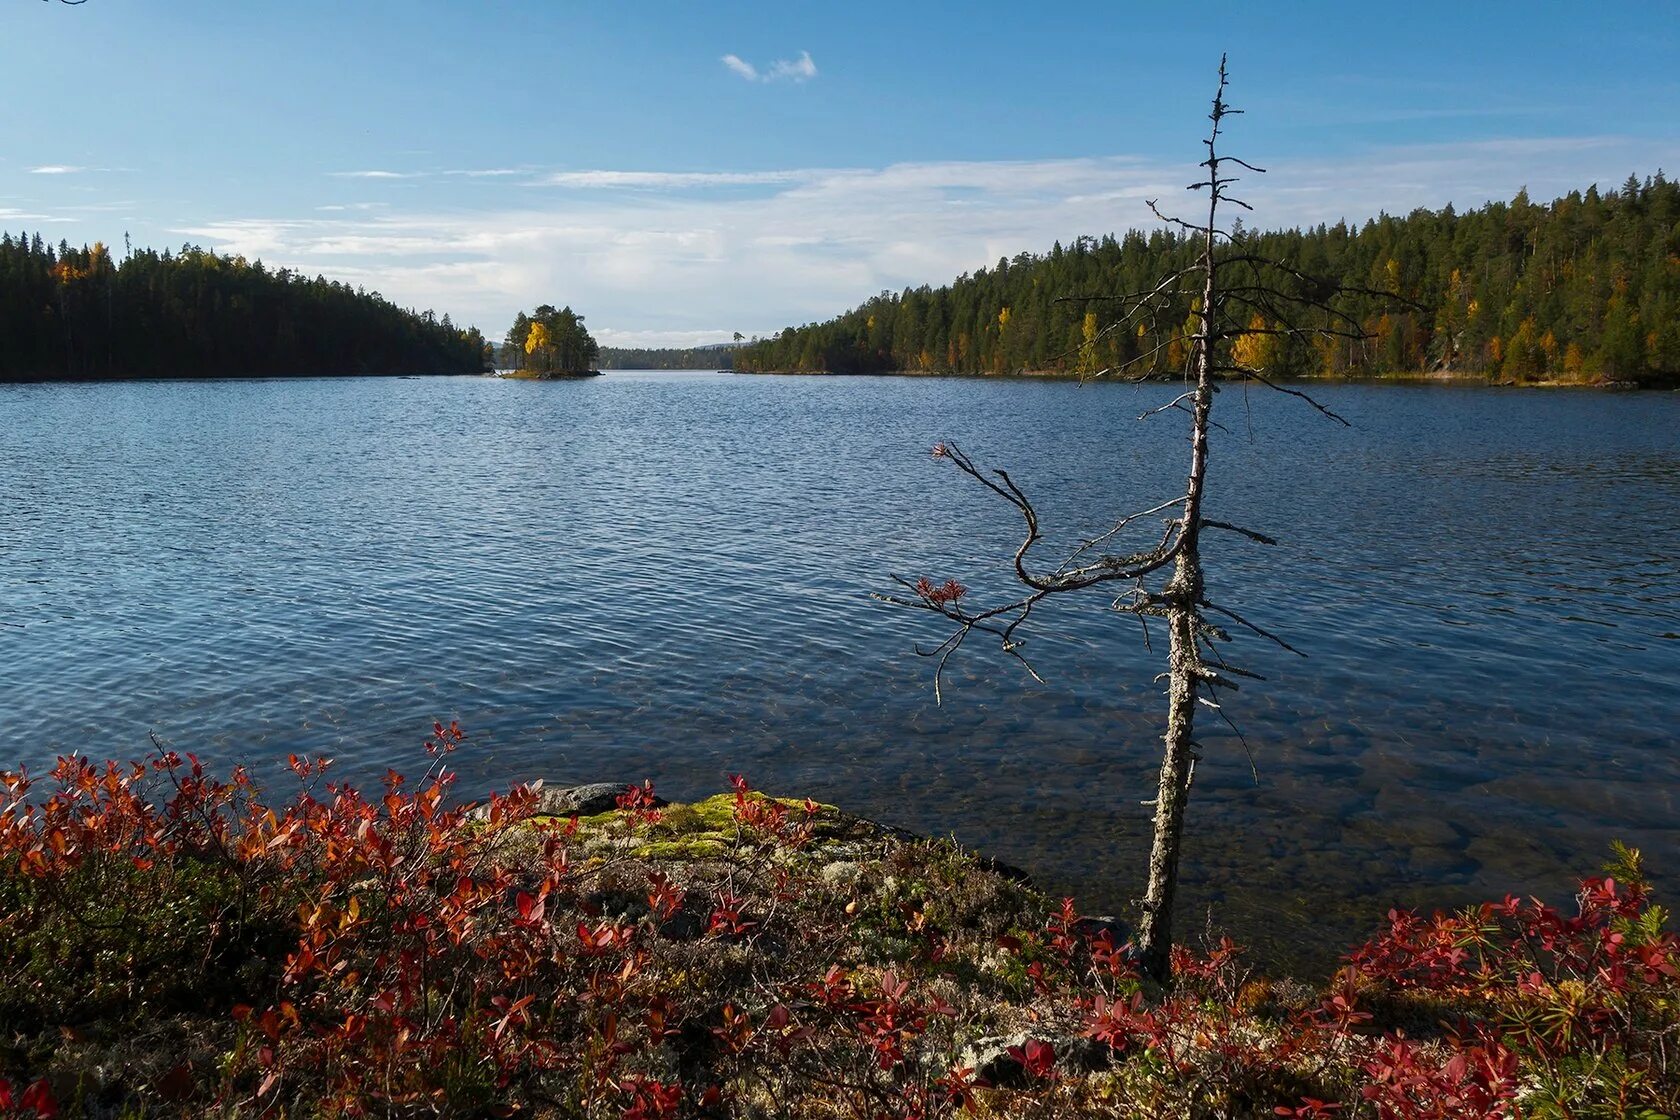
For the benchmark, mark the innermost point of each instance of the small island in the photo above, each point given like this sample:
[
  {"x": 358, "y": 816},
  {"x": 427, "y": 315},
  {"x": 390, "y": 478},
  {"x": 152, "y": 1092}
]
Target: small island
[{"x": 549, "y": 345}]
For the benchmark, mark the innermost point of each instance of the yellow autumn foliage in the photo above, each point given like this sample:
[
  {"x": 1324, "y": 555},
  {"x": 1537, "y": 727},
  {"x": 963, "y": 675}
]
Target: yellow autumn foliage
[
  {"x": 1255, "y": 349},
  {"x": 537, "y": 339}
]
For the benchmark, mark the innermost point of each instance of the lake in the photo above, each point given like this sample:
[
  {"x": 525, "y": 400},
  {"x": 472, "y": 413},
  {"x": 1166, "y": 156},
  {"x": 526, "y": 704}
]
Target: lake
[{"x": 668, "y": 576}]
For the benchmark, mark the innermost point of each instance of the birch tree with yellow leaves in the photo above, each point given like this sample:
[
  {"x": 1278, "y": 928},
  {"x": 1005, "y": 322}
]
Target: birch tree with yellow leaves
[{"x": 552, "y": 343}]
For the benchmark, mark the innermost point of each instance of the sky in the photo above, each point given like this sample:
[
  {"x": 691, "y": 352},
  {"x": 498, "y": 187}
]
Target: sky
[{"x": 677, "y": 172}]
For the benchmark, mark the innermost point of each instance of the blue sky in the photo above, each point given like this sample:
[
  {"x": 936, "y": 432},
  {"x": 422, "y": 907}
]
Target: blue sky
[{"x": 678, "y": 171}]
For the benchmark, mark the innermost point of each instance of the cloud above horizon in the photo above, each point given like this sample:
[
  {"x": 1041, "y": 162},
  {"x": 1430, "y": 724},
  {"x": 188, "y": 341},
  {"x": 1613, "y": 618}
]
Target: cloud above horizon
[
  {"x": 801, "y": 69},
  {"x": 55, "y": 169},
  {"x": 669, "y": 180},
  {"x": 668, "y": 257},
  {"x": 377, "y": 174}
]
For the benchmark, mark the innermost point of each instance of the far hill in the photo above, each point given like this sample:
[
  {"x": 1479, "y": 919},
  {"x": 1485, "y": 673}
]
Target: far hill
[
  {"x": 79, "y": 313},
  {"x": 1586, "y": 288}
]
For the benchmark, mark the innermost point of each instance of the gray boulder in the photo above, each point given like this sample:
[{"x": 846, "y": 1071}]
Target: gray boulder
[{"x": 564, "y": 801}]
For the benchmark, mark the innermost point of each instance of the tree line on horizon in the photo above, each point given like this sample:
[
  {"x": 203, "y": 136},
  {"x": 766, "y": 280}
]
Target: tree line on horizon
[
  {"x": 81, "y": 313},
  {"x": 1584, "y": 288},
  {"x": 718, "y": 356}
]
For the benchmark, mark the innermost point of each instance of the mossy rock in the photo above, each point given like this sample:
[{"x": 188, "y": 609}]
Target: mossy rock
[{"x": 685, "y": 849}]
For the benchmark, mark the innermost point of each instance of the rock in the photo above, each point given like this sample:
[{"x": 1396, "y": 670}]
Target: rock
[
  {"x": 1006, "y": 870},
  {"x": 598, "y": 797},
  {"x": 564, "y": 801},
  {"x": 991, "y": 1060},
  {"x": 1094, "y": 925}
]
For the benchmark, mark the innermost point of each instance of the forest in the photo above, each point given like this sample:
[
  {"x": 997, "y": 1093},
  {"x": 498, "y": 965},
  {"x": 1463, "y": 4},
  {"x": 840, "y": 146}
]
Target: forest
[
  {"x": 1583, "y": 289},
  {"x": 717, "y": 356},
  {"x": 81, "y": 313}
]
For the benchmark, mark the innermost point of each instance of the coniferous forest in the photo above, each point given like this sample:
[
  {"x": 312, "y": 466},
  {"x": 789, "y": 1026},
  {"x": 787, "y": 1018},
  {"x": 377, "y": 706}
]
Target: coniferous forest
[
  {"x": 716, "y": 357},
  {"x": 1586, "y": 288},
  {"x": 79, "y": 313}
]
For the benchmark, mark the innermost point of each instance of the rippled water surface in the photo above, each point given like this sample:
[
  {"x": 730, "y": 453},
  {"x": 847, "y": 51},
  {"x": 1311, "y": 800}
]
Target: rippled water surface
[{"x": 668, "y": 576}]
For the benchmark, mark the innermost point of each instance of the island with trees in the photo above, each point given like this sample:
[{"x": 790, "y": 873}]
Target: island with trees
[
  {"x": 549, "y": 344},
  {"x": 1584, "y": 289},
  {"x": 81, "y": 313}
]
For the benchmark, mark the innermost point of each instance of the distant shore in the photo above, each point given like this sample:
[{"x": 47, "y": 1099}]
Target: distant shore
[{"x": 1415, "y": 377}]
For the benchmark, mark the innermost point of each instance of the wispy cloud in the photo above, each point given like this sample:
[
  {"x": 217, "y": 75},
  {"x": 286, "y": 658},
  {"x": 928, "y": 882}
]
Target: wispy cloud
[
  {"x": 800, "y": 69},
  {"x": 489, "y": 172},
  {"x": 55, "y": 169},
  {"x": 741, "y": 66},
  {"x": 648, "y": 260},
  {"x": 612, "y": 336},
  {"x": 670, "y": 180},
  {"x": 377, "y": 174}
]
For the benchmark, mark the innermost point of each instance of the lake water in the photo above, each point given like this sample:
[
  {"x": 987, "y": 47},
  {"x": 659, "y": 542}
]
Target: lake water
[{"x": 668, "y": 576}]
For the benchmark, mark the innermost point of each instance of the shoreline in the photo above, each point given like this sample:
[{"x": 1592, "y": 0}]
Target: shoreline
[
  {"x": 533, "y": 375},
  {"x": 1664, "y": 383},
  {"x": 596, "y": 948}
]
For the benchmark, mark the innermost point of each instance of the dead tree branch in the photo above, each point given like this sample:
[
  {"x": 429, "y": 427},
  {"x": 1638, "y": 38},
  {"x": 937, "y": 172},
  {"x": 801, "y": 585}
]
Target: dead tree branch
[{"x": 1223, "y": 282}]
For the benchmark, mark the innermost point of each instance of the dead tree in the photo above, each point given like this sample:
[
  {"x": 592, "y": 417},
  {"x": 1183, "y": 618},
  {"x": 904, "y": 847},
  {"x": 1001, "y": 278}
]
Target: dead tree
[{"x": 1161, "y": 578}]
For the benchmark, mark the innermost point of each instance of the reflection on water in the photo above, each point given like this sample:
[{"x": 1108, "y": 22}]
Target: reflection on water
[{"x": 667, "y": 576}]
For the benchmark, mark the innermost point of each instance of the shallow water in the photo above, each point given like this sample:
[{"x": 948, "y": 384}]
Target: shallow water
[{"x": 668, "y": 576}]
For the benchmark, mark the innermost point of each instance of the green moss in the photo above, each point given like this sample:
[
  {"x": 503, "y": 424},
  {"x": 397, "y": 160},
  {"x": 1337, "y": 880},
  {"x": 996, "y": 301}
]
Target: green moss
[
  {"x": 686, "y": 849},
  {"x": 710, "y": 821},
  {"x": 714, "y": 814}
]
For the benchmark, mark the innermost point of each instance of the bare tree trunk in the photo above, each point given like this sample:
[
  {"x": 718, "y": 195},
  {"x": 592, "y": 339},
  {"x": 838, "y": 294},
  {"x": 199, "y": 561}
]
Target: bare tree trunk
[
  {"x": 1283, "y": 297},
  {"x": 1182, "y": 598},
  {"x": 1154, "y": 940}
]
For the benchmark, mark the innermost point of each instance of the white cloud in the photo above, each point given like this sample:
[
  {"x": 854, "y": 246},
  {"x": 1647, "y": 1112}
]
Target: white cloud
[
  {"x": 669, "y": 180},
  {"x": 377, "y": 174},
  {"x": 55, "y": 169},
  {"x": 801, "y": 69},
  {"x": 646, "y": 259},
  {"x": 676, "y": 340},
  {"x": 740, "y": 66}
]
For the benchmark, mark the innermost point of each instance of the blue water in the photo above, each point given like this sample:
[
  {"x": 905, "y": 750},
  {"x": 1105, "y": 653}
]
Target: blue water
[{"x": 668, "y": 576}]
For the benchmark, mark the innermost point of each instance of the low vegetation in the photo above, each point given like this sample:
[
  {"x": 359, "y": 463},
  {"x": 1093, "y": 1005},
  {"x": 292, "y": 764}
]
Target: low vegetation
[{"x": 173, "y": 943}]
